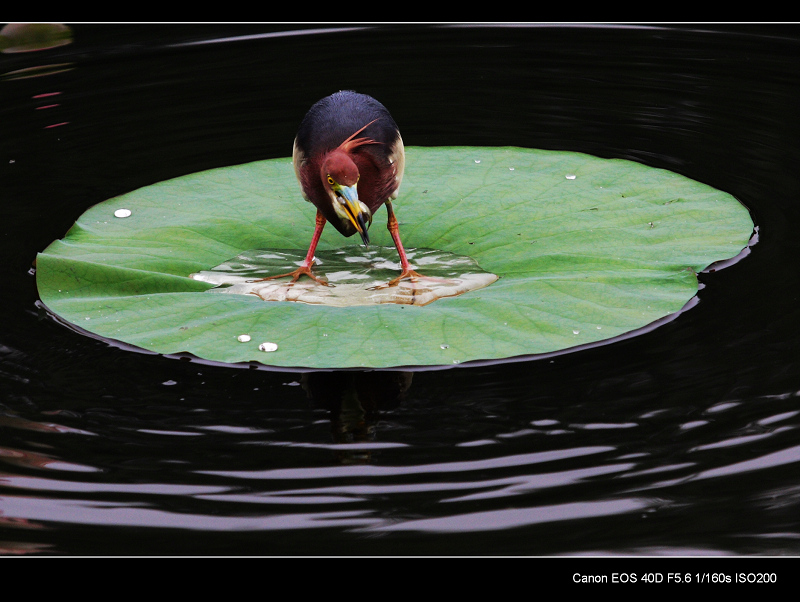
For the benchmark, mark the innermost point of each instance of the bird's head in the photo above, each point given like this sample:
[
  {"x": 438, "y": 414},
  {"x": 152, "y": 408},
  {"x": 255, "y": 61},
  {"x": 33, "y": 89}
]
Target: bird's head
[{"x": 340, "y": 178}]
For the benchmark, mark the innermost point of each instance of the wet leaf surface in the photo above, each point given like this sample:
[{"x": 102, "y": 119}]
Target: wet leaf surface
[{"x": 352, "y": 276}]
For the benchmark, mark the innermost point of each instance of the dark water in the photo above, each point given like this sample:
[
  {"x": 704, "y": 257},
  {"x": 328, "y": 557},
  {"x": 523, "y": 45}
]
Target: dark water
[{"x": 682, "y": 441}]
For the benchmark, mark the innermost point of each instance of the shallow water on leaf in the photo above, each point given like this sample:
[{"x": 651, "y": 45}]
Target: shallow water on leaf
[{"x": 354, "y": 276}]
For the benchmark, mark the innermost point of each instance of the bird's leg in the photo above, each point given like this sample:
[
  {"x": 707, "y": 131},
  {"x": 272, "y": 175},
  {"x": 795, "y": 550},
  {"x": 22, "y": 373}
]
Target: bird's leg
[
  {"x": 305, "y": 267},
  {"x": 394, "y": 230}
]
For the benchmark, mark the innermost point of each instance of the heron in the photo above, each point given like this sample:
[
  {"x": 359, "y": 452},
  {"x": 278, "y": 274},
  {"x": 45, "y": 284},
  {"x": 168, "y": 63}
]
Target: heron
[{"x": 349, "y": 159}]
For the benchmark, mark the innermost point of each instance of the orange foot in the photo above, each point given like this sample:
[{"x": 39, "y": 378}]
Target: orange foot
[
  {"x": 408, "y": 273},
  {"x": 411, "y": 275},
  {"x": 302, "y": 270}
]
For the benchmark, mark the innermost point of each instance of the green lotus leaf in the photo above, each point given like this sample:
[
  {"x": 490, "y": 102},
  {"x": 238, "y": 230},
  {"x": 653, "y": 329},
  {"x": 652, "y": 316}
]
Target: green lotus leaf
[{"x": 585, "y": 249}]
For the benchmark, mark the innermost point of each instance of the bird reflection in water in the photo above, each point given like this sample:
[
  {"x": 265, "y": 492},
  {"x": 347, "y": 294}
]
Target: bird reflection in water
[{"x": 355, "y": 400}]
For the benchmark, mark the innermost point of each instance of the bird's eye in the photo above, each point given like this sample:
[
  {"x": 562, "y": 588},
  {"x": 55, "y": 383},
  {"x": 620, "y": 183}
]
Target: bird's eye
[{"x": 331, "y": 181}]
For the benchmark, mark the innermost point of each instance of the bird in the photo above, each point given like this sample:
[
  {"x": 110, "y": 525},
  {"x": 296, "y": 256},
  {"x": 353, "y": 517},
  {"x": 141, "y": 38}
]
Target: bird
[{"x": 349, "y": 159}]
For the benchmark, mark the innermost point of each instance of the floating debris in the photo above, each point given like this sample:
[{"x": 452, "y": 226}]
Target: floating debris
[{"x": 32, "y": 37}]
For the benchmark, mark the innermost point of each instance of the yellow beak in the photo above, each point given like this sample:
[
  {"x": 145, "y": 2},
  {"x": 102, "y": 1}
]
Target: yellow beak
[{"x": 357, "y": 216}]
